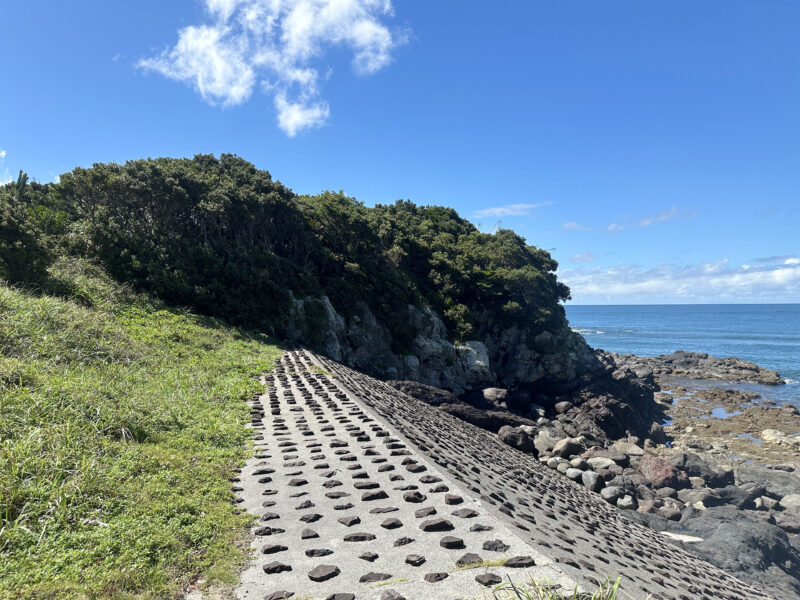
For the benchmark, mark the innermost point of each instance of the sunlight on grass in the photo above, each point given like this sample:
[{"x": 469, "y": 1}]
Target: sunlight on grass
[{"x": 120, "y": 420}]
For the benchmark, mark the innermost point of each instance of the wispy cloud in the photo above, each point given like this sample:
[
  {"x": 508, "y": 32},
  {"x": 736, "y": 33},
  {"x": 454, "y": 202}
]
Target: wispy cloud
[
  {"x": 615, "y": 227},
  {"x": 5, "y": 175},
  {"x": 510, "y": 210},
  {"x": 272, "y": 45},
  {"x": 667, "y": 215},
  {"x": 582, "y": 257},
  {"x": 792, "y": 261},
  {"x": 772, "y": 259},
  {"x": 716, "y": 281},
  {"x": 659, "y": 218},
  {"x": 575, "y": 226}
]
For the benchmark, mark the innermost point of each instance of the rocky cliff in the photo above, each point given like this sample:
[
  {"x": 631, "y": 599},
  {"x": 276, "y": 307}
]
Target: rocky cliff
[{"x": 507, "y": 357}]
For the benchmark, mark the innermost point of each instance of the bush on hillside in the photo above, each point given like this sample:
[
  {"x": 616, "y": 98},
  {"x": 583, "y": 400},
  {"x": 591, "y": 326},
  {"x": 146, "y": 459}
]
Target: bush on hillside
[
  {"x": 23, "y": 251},
  {"x": 220, "y": 236}
]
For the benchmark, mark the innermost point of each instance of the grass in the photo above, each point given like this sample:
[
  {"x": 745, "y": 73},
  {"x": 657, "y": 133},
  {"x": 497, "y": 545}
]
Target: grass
[
  {"x": 607, "y": 589},
  {"x": 120, "y": 421}
]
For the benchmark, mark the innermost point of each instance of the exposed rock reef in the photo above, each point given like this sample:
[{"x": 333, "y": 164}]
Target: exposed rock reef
[{"x": 698, "y": 365}]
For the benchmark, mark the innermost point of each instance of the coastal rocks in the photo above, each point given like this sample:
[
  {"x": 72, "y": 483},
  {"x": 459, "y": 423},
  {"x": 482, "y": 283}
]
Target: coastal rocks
[
  {"x": 517, "y": 438},
  {"x": 592, "y": 481},
  {"x": 696, "y": 365},
  {"x": 545, "y": 441},
  {"x": 694, "y": 466},
  {"x": 569, "y": 447},
  {"x": 661, "y": 473},
  {"x": 777, "y": 482},
  {"x": 779, "y": 437},
  {"x": 741, "y": 543}
]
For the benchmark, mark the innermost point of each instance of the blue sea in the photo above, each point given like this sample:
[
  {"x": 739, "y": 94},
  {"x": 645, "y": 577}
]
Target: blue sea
[{"x": 766, "y": 334}]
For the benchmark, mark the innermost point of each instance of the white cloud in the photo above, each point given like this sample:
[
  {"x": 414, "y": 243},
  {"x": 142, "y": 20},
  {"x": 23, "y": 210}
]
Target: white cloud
[
  {"x": 575, "y": 226},
  {"x": 792, "y": 261},
  {"x": 2, "y": 154},
  {"x": 615, "y": 227},
  {"x": 582, "y": 257},
  {"x": 295, "y": 116},
  {"x": 275, "y": 43},
  {"x": 705, "y": 282},
  {"x": 214, "y": 65},
  {"x": 510, "y": 210}
]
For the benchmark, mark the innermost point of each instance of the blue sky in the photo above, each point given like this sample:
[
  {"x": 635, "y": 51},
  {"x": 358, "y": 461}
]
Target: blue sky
[{"x": 653, "y": 147}]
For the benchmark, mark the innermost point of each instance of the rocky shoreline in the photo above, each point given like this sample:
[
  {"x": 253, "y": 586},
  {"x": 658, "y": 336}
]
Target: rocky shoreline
[
  {"x": 698, "y": 365},
  {"x": 718, "y": 470}
]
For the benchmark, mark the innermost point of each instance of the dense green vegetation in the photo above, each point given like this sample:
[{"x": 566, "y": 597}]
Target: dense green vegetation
[
  {"x": 120, "y": 420},
  {"x": 222, "y": 237}
]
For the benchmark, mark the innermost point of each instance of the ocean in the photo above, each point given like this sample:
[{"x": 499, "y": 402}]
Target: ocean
[{"x": 766, "y": 334}]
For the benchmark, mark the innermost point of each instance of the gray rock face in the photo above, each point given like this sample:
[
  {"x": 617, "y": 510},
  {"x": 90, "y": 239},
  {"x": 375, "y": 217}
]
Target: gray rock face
[
  {"x": 778, "y": 483},
  {"x": 737, "y": 542},
  {"x": 507, "y": 357}
]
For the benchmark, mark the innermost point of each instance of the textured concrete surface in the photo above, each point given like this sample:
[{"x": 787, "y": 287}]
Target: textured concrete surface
[{"x": 365, "y": 492}]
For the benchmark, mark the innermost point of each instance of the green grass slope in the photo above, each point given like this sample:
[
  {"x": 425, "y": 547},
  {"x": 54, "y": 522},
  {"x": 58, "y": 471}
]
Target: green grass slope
[{"x": 120, "y": 420}]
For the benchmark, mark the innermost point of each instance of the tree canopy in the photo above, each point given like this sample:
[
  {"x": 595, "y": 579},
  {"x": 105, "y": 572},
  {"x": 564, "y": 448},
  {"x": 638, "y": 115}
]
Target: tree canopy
[{"x": 222, "y": 237}]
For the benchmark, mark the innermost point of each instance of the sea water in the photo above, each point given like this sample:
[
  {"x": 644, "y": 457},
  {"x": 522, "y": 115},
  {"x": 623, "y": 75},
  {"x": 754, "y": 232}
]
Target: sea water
[{"x": 766, "y": 334}]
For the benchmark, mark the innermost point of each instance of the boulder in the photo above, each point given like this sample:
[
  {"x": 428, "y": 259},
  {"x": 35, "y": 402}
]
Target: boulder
[
  {"x": 517, "y": 438},
  {"x": 661, "y": 473},
  {"x": 739, "y": 497},
  {"x": 778, "y": 483},
  {"x": 495, "y": 396},
  {"x": 670, "y": 513},
  {"x": 569, "y": 447},
  {"x": 562, "y": 407},
  {"x": 579, "y": 463},
  {"x": 627, "y": 448},
  {"x": 791, "y": 503},
  {"x": 612, "y": 493},
  {"x": 707, "y": 497},
  {"x": 789, "y": 522},
  {"x": 544, "y": 441},
  {"x": 574, "y": 474},
  {"x": 592, "y": 481},
  {"x": 695, "y": 466},
  {"x": 554, "y": 461},
  {"x": 599, "y": 462}
]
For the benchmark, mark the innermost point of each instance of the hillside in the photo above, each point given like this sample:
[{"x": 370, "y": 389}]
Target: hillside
[
  {"x": 225, "y": 239},
  {"x": 120, "y": 419}
]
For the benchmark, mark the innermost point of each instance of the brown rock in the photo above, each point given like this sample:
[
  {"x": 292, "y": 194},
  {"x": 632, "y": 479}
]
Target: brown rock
[{"x": 661, "y": 473}]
